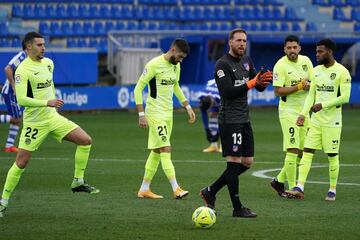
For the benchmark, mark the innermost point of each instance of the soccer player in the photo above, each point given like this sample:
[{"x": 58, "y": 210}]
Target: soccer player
[
  {"x": 330, "y": 89},
  {"x": 209, "y": 108},
  {"x": 162, "y": 75},
  {"x": 8, "y": 93},
  {"x": 35, "y": 91},
  {"x": 235, "y": 75},
  {"x": 291, "y": 74}
]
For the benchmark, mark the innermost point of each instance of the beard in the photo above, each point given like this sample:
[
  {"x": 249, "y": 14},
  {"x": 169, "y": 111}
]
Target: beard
[
  {"x": 292, "y": 56},
  {"x": 172, "y": 60},
  {"x": 323, "y": 61}
]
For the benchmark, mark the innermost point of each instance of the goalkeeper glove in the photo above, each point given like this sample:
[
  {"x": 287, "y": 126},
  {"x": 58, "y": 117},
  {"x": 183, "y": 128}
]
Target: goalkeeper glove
[{"x": 263, "y": 79}]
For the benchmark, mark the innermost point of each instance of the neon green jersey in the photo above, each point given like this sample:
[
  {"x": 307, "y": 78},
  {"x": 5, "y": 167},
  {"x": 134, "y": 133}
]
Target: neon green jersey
[
  {"x": 287, "y": 74},
  {"x": 331, "y": 87},
  {"x": 34, "y": 87},
  {"x": 162, "y": 79}
]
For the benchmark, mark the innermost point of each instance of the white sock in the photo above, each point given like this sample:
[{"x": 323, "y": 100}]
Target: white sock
[
  {"x": 145, "y": 186},
  {"x": 301, "y": 186},
  {"x": 174, "y": 184},
  {"x": 332, "y": 190},
  {"x": 79, "y": 180},
  {"x": 214, "y": 144},
  {"x": 4, "y": 202}
]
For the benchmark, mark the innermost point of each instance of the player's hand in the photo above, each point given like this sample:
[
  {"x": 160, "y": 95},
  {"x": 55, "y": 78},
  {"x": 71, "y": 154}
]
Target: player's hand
[
  {"x": 317, "y": 107},
  {"x": 306, "y": 87},
  {"x": 264, "y": 79},
  {"x": 192, "y": 117},
  {"x": 56, "y": 103},
  {"x": 143, "y": 122},
  {"x": 303, "y": 85},
  {"x": 300, "y": 120}
]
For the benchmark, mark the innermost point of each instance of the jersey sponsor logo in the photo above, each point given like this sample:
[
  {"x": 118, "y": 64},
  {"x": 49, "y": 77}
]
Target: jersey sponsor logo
[
  {"x": 324, "y": 88},
  {"x": 246, "y": 66},
  {"x": 220, "y": 73},
  {"x": 44, "y": 84},
  {"x": 305, "y": 67},
  {"x": 239, "y": 82},
  {"x": 332, "y": 76},
  {"x": 167, "y": 82},
  {"x": 17, "y": 79}
]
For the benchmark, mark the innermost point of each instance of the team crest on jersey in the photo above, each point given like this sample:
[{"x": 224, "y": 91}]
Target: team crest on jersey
[
  {"x": 220, "y": 73},
  {"x": 49, "y": 68},
  {"x": 246, "y": 66},
  {"x": 174, "y": 68},
  {"x": 144, "y": 72},
  {"x": 305, "y": 68},
  {"x": 17, "y": 79},
  {"x": 27, "y": 141},
  {"x": 292, "y": 140},
  {"x": 333, "y": 76},
  {"x": 235, "y": 148}
]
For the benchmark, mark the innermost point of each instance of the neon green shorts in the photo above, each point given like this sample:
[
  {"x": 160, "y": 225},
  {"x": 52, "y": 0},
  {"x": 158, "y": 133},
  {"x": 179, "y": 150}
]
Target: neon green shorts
[
  {"x": 34, "y": 134},
  {"x": 326, "y": 138},
  {"x": 293, "y": 136},
  {"x": 159, "y": 132}
]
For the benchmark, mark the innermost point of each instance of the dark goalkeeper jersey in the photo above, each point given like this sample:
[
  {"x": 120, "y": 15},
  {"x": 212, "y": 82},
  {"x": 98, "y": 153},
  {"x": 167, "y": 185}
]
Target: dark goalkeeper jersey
[{"x": 231, "y": 75}]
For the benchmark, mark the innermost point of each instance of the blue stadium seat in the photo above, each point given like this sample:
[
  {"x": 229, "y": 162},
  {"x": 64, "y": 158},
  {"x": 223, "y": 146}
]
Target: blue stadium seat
[
  {"x": 132, "y": 25},
  {"x": 355, "y": 14},
  {"x": 55, "y": 29},
  {"x": 120, "y": 25},
  {"x": 61, "y": 11},
  {"x": 103, "y": 45},
  {"x": 272, "y": 2},
  {"x": 127, "y": 12},
  {"x": 5, "y": 42},
  {"x": 29, "y": 11},
  {"x": 3, "y": 29},
  {"x": 357, "y": 27},
  {"x": 78, "y": 29},
  {"x": 51, "y": 11},
  {"x": 93, "y": 43},
  {"x": 277, "y": 13},
  {"x": 17, "y": 10},
  {"x": 199, "y": 13},
  {"x": 339, "y": 14},
  {"x": 153, "y": 25},
  {"x": 264, "y": 27},
  {"x": 353, "y": 3},
  {"x": 338, "y": 3},
  {"x": 226, "y": 26},
  {"x": 323, "y": 3},
  {"x": 116, "y": 12},
  {"x": 40, "y": 11},
  {"x": 296, "y": 27},
  {"x": 71, "y": 43},
  {"x": 284, "y": 27},
  {"x": 105, "y": 11},
  {"x": 209, "y": 13},
  {"x": 82, "y": 43},
  {"x": 67, "y": 29},
  {"x": 258, "y": 13},
  {"x": 72, "y": 11},
  {"x": 109, "y": 25},
  {"x": 89, "y": 29},
  {"x": 254, "y": 27},
  {"x": 44, "y": 28},
  {"x": 290, "y": 14},
  {"x": 242, "y": 2},
  {"x": 274, "y": 27},
  {"x": 249, "y": 13},
  {"x": 268, "y": 13},
  {"x": 310, "y": 27},
  {"x": 84, "y": 11},
  {"x": 99, "y": 28},
  {"x": 16, "y": 43},
  {"x": 187, "y": 13}
]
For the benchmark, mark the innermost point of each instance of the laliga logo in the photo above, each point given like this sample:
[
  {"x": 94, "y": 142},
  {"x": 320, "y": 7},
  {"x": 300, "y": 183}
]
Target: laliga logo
[
  {"x": 72, "y": 98},
  {"x": 123, "y": 97}
]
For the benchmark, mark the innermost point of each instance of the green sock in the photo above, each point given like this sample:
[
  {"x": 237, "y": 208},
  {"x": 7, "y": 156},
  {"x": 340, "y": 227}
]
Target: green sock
[
  {"x": 281, "y": 177},
  {"x": 290, "y": 166},
  {"x": 12, "y": 180},
  {"x": 304, "y": 167},
  {"x": 81, "y": 159},
  {"x": 151, "y": 165},
  {"x": 167, "y": 165},
  {"x": 333, "y": 170}
]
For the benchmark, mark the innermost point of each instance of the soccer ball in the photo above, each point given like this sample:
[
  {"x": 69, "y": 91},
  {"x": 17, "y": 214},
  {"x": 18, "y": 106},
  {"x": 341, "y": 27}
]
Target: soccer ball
[{"x": 203, "y": 217}]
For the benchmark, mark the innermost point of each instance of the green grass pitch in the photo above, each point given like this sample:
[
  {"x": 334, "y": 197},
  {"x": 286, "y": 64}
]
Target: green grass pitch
[{"x": 43, "y": 207}]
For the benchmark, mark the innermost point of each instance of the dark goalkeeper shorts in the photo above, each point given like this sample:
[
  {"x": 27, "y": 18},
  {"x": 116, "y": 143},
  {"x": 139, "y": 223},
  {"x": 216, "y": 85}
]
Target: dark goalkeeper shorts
[{"x": 237, "y": 140}]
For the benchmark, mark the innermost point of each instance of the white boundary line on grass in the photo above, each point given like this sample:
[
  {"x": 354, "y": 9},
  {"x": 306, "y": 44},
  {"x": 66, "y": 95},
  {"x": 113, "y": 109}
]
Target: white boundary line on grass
[
  {"x": 259, "y": 174},
  {"x": 262, "y": 174}
]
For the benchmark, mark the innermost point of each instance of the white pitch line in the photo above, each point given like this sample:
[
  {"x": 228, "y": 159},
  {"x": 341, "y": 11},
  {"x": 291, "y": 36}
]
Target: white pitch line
[{"x": 262, "y": 174}]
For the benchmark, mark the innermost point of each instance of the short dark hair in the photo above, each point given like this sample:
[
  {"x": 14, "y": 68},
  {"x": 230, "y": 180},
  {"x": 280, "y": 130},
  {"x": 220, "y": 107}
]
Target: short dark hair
[
  {"x": 236, "y": 30},
  {"x": 182, "y": 45},
  {"x": 328, "y": 43},
  {"x": 29, "y": 38},
  {"x": 291, "y": 38}
]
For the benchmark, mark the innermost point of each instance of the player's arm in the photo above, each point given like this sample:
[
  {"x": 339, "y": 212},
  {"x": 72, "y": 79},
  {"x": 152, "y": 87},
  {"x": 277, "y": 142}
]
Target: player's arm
[
  {"x": 9, "y": 73},
  {"x": 345, "y": 89},
  {"x": 146, "y": 76},
  {"x": 181, "y": 97},
  {"x": 309, "y": 101}
]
